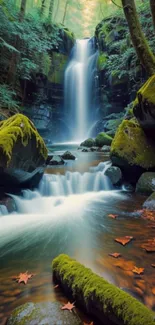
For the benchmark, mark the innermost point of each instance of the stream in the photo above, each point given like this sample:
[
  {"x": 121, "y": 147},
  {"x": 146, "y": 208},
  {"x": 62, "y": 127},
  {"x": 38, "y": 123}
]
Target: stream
[{"x": 69, "y": 213}]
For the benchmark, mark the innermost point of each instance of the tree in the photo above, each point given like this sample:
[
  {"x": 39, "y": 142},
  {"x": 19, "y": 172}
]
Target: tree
[
  {"x": 42, "y": 7},
  {"x": 22, "y": 10},
  {"x": 50, "y": 13},
  {"x": 152, "y": 6},
  {"x": 139, "y": 41}
]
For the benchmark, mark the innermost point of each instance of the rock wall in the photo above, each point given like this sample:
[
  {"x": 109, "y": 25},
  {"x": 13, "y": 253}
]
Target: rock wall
[{"x": 44, "y": 92}]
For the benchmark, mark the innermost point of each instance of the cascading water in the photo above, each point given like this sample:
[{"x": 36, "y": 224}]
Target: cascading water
[
  {"x": 80, "y": 82},
  {"x": 57, "y": 208}
]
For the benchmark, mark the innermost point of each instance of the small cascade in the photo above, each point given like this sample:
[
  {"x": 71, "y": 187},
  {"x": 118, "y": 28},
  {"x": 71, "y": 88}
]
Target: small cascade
[{"x": 80, "y": 84}]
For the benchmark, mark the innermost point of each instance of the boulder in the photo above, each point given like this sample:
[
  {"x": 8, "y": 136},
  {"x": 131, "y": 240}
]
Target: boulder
[
  {"x": 23, "y": 153},
  {"x": 115, "y": 175},
  {"x": 56, "y": 160},
  {"x": 86, "y": 150},
  {"x": 48, "y": 313},
  {"x": 68, "y": 156},
  {"x": 150, "y": 202},
  {"x": 132, "y": 151},
  {"x": 146, "y": 183},
  {"x": 105, "y": 148},
  {"x": 103, "y": 139},
  {"x": 94, "y": 149},
  {"x": 88, "y": 143},
  {"x": 144, "y": 106}
]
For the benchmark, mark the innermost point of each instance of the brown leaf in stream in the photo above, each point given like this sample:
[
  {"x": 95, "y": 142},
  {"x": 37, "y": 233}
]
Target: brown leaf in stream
[
  {"x": 124, "y": 240},
  {"x": 138, "y": 270},
  {"x": 69, "y": 306},
  {"x": 153, "y": 291},
  {"x": 112, "y": 216},
  {"x": 23, "y": 277},
  {"x": 124, "y": 265},
  {"x": 149, "y": 246},
  {"x": 115, "y": 255}
]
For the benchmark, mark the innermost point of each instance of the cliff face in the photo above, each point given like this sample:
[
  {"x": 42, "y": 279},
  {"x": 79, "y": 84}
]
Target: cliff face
[{"x": 45, "y": 90}]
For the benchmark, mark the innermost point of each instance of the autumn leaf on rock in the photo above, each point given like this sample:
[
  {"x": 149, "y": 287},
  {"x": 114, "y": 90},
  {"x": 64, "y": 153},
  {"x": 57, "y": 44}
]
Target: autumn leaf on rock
[
  {"x": 113, "y": 216},
  {"x": 115, "y": 255},
  {"x": 153, "y": 265},
  {"x": 138, "y": 270},
  {"x": 124, "y": 240},
  {"x": 88, "y": 323},
  {"x": 68, "y": 306},
  {"x": 23, "y": 277}
]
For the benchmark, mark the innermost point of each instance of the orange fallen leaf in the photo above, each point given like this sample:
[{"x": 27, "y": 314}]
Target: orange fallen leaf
[
  {"x": 56, "y": 286},
  {"x": 149, "y": 246},
  {"x": 138, "y": 270},
  {"x": 113, "y": 216},
  {"x": 88, "y": 323},
  {"x": 68, "y": 306},
  {"x": 153, "y": 291},
  {"x": 23, "y": 277},
  {"x": 115, "y": 255},
  {"x": 124, "y": 240}
]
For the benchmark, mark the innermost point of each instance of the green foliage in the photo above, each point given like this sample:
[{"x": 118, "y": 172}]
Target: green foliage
[
  {"x": 7, "y": 98},
  {"x": 23, "y": 45}
]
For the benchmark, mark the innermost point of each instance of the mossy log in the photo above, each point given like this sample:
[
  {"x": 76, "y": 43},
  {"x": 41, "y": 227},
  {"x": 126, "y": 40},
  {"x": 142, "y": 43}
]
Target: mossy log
[{"x": 105, "y": 301}]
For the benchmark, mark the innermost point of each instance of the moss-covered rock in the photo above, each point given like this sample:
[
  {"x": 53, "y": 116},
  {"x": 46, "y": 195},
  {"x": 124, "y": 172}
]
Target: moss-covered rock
[
  {"x": 100, "y": 298},
  {"x": 22, "y": 151},
  {"x": 150, "y": 202},
  {"x": 146, "y": 183},
  {"x": 48, "y": 313},
  {"x": 144, "y": 106},
  {"x": 132, "y": 150},
  {"x": 88, "y": 143},
  {"x": 103, "y": 139}
]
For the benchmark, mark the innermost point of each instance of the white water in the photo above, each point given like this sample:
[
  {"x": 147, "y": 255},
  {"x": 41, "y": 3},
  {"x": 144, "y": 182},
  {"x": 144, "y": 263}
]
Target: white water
[
  {"x": 79, "y": 79},
  {"x": 60, "y": 208}
]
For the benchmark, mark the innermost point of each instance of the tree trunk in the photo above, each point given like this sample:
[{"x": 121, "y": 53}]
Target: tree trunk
[
  {"x": 42, "y": 7},
  {"x": 22, "y": 10},
  {"x": 65, "y": 12},
  {"x": 152, "y": 6},
  {"x": 50, "y": 13},
  {"x": 139, "y": 41}
]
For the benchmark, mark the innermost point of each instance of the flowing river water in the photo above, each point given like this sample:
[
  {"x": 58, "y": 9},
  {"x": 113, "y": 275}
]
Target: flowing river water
[{"x": 68, "y": 213}]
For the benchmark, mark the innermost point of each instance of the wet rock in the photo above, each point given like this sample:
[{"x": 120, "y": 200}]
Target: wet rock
[
  {"x": 86, "y": 150},
  {"x": 132, "y": 151},
  {"x": 150, "y": 202},
  {"x": 68, "y": 156},
  {"x": 56, "y": 160},
  {"x": 93, "y": 149},
  {"x": 103, "y": 139},
  {"x": 146, "y": 183},
  {"x": 48, "y": 313},
  {"x": 115, "y": 175},
  {"x": 23, "y": 153},
  {"x": 144, "y": 106},
  {"x": 48, "y": 159},
  {"x": 105, "y": 148},
  {"x": 88, "y": 143}
]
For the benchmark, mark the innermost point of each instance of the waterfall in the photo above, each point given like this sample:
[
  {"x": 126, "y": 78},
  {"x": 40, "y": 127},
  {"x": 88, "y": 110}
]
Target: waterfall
[{"x": 79, "y": 89}]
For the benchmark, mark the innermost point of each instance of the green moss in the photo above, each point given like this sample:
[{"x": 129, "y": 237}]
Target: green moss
[
  {"x": 101, "y": 61},
  {"x": 19, "y": 127},
  {"x": 58, "y": 64},
  {"x": 96, "y": 292},
  {"x": 103, "y": 139},
  {"x": 147, "y": 91},
  {"x": 88, "y": 143},
  {"x": 131, "y": 144}
]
